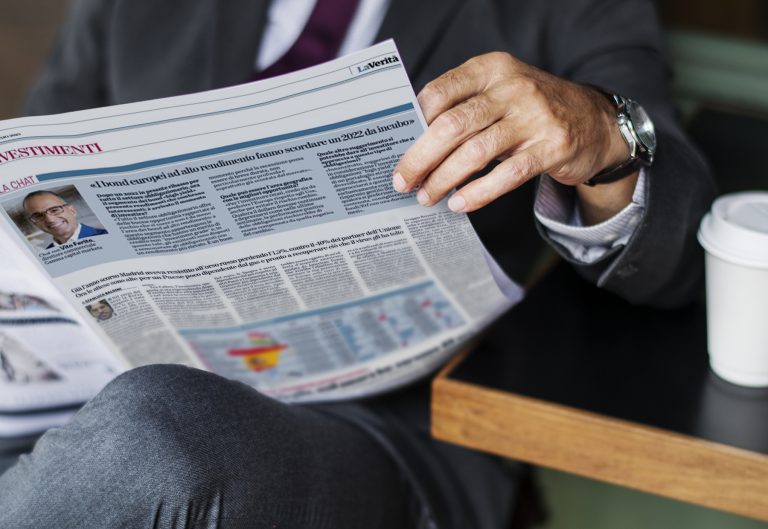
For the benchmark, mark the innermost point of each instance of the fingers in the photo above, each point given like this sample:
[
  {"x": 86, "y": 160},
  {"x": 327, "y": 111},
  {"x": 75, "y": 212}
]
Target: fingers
[
  {"x": 495, "y": 107},
  {"x": 447, "y": 132},
  {"x": 452, "y": 88},
  {"x": 468, "y": 159},
  {"x": 505, "y": 177},
  {"x": 456, "y": 105}
]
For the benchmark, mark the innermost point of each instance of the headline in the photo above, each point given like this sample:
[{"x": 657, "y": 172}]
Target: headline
[
  {"x": 49, "y": 150},
  {"x": 258, "y": 155}
]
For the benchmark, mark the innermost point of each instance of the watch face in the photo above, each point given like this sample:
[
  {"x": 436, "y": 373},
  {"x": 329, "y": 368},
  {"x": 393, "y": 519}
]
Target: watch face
[{"x": 643, "y": 125}]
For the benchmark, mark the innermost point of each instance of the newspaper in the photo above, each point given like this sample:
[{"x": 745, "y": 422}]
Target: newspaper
[
  {"x": 253, "y": 231},
  {"x": 50, "y": 363}
]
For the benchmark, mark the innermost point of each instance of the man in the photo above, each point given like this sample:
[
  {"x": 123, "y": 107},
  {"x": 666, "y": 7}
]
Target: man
[
  {"x": 51, "y": 213},
  {"x": 169, "y": 446},
  {"x": 101, "y": 310}
]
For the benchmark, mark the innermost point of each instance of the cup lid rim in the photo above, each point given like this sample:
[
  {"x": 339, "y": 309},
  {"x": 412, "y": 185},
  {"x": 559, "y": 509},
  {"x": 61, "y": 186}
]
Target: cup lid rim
[{"x": 723, "y": 235}]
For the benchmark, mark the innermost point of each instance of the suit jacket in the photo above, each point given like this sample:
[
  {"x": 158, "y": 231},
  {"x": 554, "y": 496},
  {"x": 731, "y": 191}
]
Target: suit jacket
[
  {"x": 85, "y": 231},
  {"x": 90, "y": 231},
  {"x": 118, "y": 51}
]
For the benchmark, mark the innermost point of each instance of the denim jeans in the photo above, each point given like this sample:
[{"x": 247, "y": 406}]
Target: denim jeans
[{"x": 172, "y": 447}]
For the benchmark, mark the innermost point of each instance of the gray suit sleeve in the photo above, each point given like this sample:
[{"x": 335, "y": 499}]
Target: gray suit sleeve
[
  {"x": 76, "y": 74},
  {"x": 617, "y": 45}
]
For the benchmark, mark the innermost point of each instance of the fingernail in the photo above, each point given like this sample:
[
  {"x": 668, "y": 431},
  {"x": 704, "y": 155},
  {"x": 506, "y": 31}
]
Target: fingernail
[
  {"x": 423, "y": 197},
  {"x": 398, "y": 182},
  {"x": 457, "y": 203}
]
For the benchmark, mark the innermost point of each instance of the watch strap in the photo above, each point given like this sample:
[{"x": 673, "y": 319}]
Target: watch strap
[
  {"x": 627, "y": 167},
  {"x": 616, "y": 173}
]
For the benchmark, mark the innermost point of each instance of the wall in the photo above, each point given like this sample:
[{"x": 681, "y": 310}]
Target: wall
[{"x": 27, "y": 29}]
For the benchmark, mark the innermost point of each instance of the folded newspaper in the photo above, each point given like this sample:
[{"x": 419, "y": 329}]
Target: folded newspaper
[{"x": 251, "y": 231}]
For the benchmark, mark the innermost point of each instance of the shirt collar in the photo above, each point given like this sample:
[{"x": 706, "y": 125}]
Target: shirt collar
[{"x": 75, "y": 236}]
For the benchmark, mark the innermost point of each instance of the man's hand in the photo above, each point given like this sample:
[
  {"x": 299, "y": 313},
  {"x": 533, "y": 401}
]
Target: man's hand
[{"x": 495, "y": 107}]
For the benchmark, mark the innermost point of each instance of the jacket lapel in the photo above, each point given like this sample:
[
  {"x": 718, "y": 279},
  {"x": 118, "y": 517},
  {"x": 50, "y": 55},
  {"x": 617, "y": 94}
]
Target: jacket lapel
[
  {"x": 416, "y": 27},
  {"x": 239, "y": 26}
]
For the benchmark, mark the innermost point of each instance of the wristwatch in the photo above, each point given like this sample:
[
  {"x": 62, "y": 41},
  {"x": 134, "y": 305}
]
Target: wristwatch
[{"x": 637, "y": 129}]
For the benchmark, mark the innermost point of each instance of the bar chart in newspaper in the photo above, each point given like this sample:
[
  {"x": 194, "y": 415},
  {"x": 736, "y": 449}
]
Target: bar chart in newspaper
[{"x": 311, "y": 343}]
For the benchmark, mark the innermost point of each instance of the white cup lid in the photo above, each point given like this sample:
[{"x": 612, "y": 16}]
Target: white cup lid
[{"x": 736, "y": 229}]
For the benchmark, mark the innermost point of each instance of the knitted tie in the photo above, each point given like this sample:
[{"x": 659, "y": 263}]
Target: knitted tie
[{"x": 320, "y": 39}]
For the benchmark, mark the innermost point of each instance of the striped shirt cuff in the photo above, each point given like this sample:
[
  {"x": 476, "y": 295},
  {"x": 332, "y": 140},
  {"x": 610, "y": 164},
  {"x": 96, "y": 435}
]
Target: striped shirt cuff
[{"x": 557, "y": 209}]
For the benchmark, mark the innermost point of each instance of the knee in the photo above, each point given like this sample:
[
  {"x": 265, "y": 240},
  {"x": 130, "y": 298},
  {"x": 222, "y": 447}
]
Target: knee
[
  {"x": 173, "y": 399},
  {"x": 155, "y": 382},
  {"x": 163, "y": 422},
  {"x": 164, "y": 392},
  {"x": 159, "y": 437}
]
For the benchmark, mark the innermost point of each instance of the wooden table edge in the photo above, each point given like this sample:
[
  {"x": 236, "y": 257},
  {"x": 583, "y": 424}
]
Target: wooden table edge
[{"x": 640, "y": 457}]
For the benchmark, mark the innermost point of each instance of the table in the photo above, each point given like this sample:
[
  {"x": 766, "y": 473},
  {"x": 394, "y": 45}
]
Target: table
[{"x": 578, "y": 380}]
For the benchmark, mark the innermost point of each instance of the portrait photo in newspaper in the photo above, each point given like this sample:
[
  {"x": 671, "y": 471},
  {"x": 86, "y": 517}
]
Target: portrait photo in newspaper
[
  {"x": 53, "y": 217},
  {"x": 101, "y": 310}
]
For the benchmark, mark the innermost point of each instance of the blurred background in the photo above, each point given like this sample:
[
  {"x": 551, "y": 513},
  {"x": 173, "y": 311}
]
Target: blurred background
[
  {"x": 719, "y": 54},
  {"x": 27, "y": 30}
]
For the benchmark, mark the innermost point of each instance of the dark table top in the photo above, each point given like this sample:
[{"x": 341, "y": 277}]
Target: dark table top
[{"x": 572, "y": 344}]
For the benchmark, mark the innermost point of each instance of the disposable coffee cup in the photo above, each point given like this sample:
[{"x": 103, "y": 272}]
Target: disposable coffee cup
[{"x": 734, "y": 235}]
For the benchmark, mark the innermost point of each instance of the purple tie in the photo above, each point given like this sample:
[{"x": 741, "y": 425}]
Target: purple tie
[{"x": 320, "y": 39}]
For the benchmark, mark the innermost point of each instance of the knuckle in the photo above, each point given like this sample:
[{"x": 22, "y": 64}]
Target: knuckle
[
  {"x": 519, "y": 169},
  {"x": 478, "y": 109},
  {"x": 450, "y": 124},
  {"x": 528, "y": 86},
  {"x": 476, "y": 60},
  {"x": 524, "y": 167},
  {"x": 500, "y": 58},
  {"x": 461, "y": 120},
  {"x": 509, "y": 60},
  {"x": 477, "y": 153},
  {"x": 433, "y": 93},
  {"x": 562, "y": 137}
]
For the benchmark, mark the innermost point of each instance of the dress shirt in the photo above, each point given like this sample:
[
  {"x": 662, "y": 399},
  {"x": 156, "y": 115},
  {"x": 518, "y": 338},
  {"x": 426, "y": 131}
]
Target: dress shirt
[
  {"x": 556, "y": 208},
  {"x": 286, "y": 19},
  {"x": 75, "y": 236}
]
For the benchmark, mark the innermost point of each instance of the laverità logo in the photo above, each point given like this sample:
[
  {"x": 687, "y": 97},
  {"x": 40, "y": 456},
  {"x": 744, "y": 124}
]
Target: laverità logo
[{"x": 370, "y": 65}]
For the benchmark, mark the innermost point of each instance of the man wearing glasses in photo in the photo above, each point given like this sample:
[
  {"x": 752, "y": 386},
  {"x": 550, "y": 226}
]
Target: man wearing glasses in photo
[{"x": 51, "y": 213}]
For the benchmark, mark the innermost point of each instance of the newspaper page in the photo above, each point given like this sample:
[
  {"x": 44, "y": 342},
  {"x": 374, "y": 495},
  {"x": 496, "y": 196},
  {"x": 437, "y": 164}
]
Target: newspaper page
[
  {"x": 50, "y": 363},
  {"x": 253, "y": 231}
]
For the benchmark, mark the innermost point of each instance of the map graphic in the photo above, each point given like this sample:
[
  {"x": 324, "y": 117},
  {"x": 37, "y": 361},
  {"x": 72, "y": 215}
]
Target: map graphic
[
  {"x": 263, "y": 353},
  {"x": 274, "y": 352}
]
